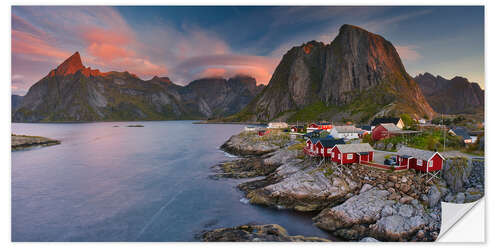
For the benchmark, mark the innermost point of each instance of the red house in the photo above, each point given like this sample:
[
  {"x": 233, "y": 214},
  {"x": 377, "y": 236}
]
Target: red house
[
  {"x": 310, "y": 148},
  {"x": 418, "y": 159},
  {"x": 324, "y": 146},
  {"x": 352, "y": 153},
  {"x": 297, "y": 129},
  {"x": 325, "y": 126},
  {"x": 384, "y": 130},
  {"x": 313, "y": 126}
]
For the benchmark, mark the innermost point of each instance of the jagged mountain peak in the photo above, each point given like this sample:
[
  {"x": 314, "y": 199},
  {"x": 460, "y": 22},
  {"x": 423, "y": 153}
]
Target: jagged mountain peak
[
  {"x": 70, "y": 65},
  {"x": 356, "y": 67}
]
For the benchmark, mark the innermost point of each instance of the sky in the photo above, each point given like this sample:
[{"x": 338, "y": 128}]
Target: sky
[{"x": 188, "y": 42}]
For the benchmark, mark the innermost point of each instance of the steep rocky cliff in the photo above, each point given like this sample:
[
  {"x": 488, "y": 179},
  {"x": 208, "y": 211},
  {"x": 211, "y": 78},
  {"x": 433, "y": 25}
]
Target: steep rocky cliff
[
  {"x": 356, "y": 76},
  {"x": 73, "y": 92},
  {"x": 454, "y": 96}
]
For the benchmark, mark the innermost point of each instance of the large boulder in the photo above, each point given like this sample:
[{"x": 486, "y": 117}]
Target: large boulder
[
  {"x": 364, "y": 208},
  {"x": 436, "y": 193}
]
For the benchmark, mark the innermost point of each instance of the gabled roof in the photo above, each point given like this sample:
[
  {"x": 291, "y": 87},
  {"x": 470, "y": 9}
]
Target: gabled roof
[
  {"x": 314, "y": 140},
  {"x": 346, "y": 129},
  {"x": 461, "y": 131},
  {"x": 354, "y": 148},
  {"x": 390, "y": 127},
  {"x": 380, "y": 120},
  {"x": 330, "y": 142},
  {"x": 416, "y": 153}
]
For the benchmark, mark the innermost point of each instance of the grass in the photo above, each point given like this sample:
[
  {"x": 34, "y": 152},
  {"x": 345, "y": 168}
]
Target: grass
[{"x": 428, "y": 140}]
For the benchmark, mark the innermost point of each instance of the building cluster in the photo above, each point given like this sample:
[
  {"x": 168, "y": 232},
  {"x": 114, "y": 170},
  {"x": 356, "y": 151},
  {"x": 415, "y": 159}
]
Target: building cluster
[{"x": 340, "y": 144}]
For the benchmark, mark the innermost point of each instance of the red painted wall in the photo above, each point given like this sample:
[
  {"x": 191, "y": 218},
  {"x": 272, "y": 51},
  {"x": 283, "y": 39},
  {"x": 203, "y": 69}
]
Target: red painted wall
[
  {"x": 355, "y": 158},
  {"x": 335, "y": 154},
  {"x": 437, "y": 163},
  {"x": 379, "y": 133}
]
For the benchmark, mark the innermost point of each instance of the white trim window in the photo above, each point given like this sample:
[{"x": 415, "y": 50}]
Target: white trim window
[
  {"x": 349, "y": 156},
  {"x": 338, "y": 156},
  {"x": 430, "y": 163},
  {"x": 329, "y": 151},
  {"x": 420, "y": 162}
]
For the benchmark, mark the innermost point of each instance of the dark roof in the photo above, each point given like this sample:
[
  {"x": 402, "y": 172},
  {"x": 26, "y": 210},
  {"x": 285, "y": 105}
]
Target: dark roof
[
  {"x": 330, "y": 142},
  {"x": 324, "y": 123},
  {"x": 379, "y": 120},
  {"x": 314, "y": 140},
  {"x": 366, "y": 127},
  {"x": 462, "y": 132}
]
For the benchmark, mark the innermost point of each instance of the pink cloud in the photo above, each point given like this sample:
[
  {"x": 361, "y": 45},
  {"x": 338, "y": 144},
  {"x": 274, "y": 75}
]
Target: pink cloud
[
  {"x": 108, "y": 52},
  {"x": 31, "y": 45},
  {"x": 257, "y": 66},
  {"x": 408, "y": 52},
  {"x": 213, "y": 72}
]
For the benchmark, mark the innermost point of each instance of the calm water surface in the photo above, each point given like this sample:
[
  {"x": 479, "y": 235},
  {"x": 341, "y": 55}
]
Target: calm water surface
[{"x": 106, "y": 183}]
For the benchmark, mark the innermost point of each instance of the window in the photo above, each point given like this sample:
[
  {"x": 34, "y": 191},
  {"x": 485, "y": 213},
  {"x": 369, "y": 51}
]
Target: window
[
  {"x": 349, "y": 156},
  {"x": 430, "y": 163},
  {"x": 329, "y": 151},
  {"x": 338, "y": 156},
  {"x": 419, "y": 162}
]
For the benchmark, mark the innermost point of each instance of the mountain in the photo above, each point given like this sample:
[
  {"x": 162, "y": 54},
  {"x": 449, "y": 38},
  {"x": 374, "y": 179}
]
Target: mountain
[
  {"x": 217, "y": 97},
  {"x": 357, "y": 76},
  {"x": 15, "y": 101},
  {"x": 454, "y": 96},
  {"x": 73, "y": 92}
]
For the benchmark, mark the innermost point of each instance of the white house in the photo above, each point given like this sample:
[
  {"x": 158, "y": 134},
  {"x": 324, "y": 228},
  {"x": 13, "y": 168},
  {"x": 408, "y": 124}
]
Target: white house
[
  {"x": 347, "y": 132},
  {"x": 277, "y": 125}
]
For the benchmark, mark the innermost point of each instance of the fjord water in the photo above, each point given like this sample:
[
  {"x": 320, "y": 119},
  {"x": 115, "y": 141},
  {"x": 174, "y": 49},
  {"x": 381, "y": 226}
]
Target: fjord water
[{"x": 151, "y": 183}]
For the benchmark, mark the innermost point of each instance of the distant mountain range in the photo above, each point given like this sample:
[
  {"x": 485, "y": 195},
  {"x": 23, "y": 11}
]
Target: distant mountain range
[
  {"x": 357, "y": 76},
  {"x": 72, "y": 92},
  {"x": 454, "y": 96}
]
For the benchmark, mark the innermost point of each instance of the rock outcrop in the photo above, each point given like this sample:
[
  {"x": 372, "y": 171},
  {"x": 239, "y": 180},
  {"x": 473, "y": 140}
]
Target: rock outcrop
[
  {"x": 19, "y": 142},
  {"x": 250, "y": 143},
  {"x": 256, "y": 233},
  {"x": 372, "y": 213},
  {"x": 357, "y": 75},
  {"x": 454, "y": 96}
]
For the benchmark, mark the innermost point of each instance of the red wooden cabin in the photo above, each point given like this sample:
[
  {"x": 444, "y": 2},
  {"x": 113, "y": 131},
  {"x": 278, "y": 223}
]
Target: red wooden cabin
[
  {"x": 325, "y": 146},
  {"x": 384, "y": 130},
  {"x": 418, "y": 159},
  {"x": 352, "y": 153}
]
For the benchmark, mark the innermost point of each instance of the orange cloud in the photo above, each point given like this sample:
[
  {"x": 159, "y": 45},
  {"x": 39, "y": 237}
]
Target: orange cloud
[
  {"x": 99, "y": 35},
  {"x": 108, "y": 52},
  {"x": 213, "y": 72},
  {"x": 28, "y": 44}
]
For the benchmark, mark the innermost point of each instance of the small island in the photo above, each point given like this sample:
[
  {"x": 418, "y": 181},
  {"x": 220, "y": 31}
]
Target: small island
[
  {"x": 135, "y": 126},
  {"x": 20, "y": 142}
]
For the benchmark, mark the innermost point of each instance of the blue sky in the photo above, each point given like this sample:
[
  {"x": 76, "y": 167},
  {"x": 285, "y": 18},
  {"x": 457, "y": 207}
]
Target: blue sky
[{"x": 186, "y": 43}]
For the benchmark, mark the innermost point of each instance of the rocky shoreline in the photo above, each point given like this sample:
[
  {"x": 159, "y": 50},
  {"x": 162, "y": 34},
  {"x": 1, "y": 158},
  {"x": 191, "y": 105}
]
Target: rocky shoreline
[
  {"x": 256, "y": 233},
  {"x": 20, "y": 142},
  {"x": 357, "y": 203}
]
